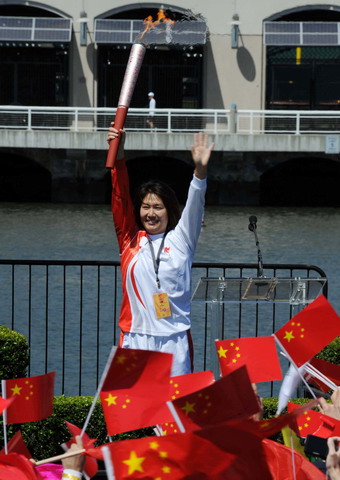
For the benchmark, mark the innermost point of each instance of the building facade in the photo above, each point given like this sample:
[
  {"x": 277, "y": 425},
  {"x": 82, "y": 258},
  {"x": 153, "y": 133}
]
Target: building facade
[{"x": 255, "y": 56}]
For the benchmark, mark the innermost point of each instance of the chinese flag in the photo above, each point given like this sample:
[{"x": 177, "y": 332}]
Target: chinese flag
[
  {"x": 307, "y": 422},
  {"x": 259, "y": 354},
  {"x": 16, "y": 467},
  {"x": 309, "y": 331},
  {"x": 213, "y": 453},
  {"x": 230, "y": 397},
  {"x": 91, "y": 466},
  {"x": 135, "y": 390},
  {"x": 269, "y": 427},
  {"x": 5, "y": 402},
  {"x": 183, "y": 385},
  {"x": 311, "y": 422},
  {"x": 17, "y": 445},
  {"x": 279, "y": 458},
  {"x": 330, "y": 370},
  {"x": 33, "y": 398}
]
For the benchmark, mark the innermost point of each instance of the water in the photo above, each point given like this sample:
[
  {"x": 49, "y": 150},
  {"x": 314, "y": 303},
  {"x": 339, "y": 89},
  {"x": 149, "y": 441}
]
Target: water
[{"x": 85, "y": 232}]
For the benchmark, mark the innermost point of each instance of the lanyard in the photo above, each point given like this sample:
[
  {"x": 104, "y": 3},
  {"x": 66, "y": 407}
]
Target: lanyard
[{"x": 157, "y": 260}]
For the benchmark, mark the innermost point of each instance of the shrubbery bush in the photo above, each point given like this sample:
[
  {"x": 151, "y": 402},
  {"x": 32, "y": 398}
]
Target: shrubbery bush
[
  {"x": 331, "y": 353},
  {"x": 14, "y": 356}
]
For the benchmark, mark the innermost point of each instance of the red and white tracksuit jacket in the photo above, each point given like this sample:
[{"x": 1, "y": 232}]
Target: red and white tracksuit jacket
[{"x": 137, "y": 313}]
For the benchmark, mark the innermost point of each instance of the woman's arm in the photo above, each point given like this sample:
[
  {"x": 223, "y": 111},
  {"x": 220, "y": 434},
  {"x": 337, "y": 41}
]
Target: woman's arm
[
  {"x": 122, "y": 207},
  {"x": 190, "y": 224}
]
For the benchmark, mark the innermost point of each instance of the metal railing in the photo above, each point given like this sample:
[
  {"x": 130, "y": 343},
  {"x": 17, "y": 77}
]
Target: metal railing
[
  {"x": 68, "y": 311},
  {"x": 217, "y": 122},
  {"x": 79, "y": 119}
]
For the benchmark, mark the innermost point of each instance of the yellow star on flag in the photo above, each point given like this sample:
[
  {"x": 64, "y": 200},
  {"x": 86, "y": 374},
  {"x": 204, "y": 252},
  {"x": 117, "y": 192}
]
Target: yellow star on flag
[
  {"x": 222, "y": 352},
  {"x": 289, "y": 336},
  {"x": 134, "y": 463},
  {"x": 16, "y": 390},
  {"x": 188, "y": 408},
  {"x": 111, "y": 400},
  {"x": 121, "y": 358}
]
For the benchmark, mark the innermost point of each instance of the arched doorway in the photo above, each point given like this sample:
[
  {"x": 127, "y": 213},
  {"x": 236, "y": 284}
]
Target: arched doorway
[
  {"x": 32, "y": 73},
  {"x": 170, "y": 170},
  {"x": 172, "y": 72},
  {"x": 305, "y": 76},
  {"x": 302, "y": 182},
  {"x": 23, "y": 180}
]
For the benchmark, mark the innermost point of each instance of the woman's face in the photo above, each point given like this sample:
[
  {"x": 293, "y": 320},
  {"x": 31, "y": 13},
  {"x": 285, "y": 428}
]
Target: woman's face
[{"x": 153, "y": 214}]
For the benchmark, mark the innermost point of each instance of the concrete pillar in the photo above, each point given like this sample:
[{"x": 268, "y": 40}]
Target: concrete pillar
[{"x": 233, "y": 118}]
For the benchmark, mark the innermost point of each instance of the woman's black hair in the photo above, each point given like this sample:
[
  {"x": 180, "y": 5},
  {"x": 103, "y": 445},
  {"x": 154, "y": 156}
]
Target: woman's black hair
[{"x": 168, "y": 197}]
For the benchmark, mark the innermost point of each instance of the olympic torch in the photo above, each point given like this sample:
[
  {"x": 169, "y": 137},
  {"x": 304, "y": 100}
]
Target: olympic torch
[
  {"x": 188, "y": 33},
  {"x": 130, "y": 78}
]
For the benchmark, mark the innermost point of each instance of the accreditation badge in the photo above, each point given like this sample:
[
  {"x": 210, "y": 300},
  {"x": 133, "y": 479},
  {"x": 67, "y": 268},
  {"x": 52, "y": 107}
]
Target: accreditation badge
[{"x": 162, "y": 305}]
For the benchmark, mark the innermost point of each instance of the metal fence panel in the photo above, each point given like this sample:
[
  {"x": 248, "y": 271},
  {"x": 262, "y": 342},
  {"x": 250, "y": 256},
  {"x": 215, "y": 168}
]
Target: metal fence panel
[{"x": 68, "y": 312}]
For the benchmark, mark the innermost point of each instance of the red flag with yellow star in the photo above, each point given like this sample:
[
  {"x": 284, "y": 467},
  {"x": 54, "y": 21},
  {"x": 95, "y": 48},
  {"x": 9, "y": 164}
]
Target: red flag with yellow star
[
  {"x": 33, "y": 398},
  {"x": 259, "y": 354},
  {"x": 214, "y": 453},
  {"x": 309, "y": 331},
  {"x": 308, "y": 422},
  {"x": 230, "y": 397},
  {"x": 270, "y": 426},
  {"x": 136, "y": 389},
  {"x": 183, "y": 385}
]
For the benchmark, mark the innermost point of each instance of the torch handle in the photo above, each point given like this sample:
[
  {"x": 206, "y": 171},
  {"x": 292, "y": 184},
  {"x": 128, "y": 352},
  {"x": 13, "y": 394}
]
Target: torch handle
[{"x": 114, "y": 143}]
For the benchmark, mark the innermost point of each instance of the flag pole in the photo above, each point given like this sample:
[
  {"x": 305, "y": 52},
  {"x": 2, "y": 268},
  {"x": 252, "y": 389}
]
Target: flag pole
[
  {"x": 316, "y": 373},
  {"x": 294, "y": 364},
  {"x": 65, "y": 448},
  {"x": 100, "y": 386},
  {"x": 68, "y": 454},
  {"x": 108, "y": 463},
  {"x": 172, "y": 409},
  {"x": 158, "y": 431},
  {"x": 4, "y": 416},
  {"x": 293, "y": 454}
]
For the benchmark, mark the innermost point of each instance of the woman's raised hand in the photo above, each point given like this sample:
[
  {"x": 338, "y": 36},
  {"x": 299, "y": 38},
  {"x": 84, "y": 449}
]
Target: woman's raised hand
[
  {"x": 115, "y": 133},
  {"x": 200, "y": 152}
]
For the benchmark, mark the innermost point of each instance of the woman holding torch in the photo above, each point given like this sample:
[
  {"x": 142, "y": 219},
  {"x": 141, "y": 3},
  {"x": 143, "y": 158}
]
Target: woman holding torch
[{"x": 157, "y": 245}]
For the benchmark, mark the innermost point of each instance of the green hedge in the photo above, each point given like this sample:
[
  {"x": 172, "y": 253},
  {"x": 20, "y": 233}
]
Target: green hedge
[
  {"x": 14, "y": 357},
  {"x": 331, "y": 353},
  {"x": 43, "y": 438}
]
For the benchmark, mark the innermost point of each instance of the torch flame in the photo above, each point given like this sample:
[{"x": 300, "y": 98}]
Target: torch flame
[
  {"x": 149, "y": 23},
  {"x": 162, "y": 18}
]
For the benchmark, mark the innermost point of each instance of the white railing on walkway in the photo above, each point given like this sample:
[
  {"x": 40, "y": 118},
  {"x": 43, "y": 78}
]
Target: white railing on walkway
[
  {"x": 218, "y": 122},
  {"x": 79, "y": 119}
]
